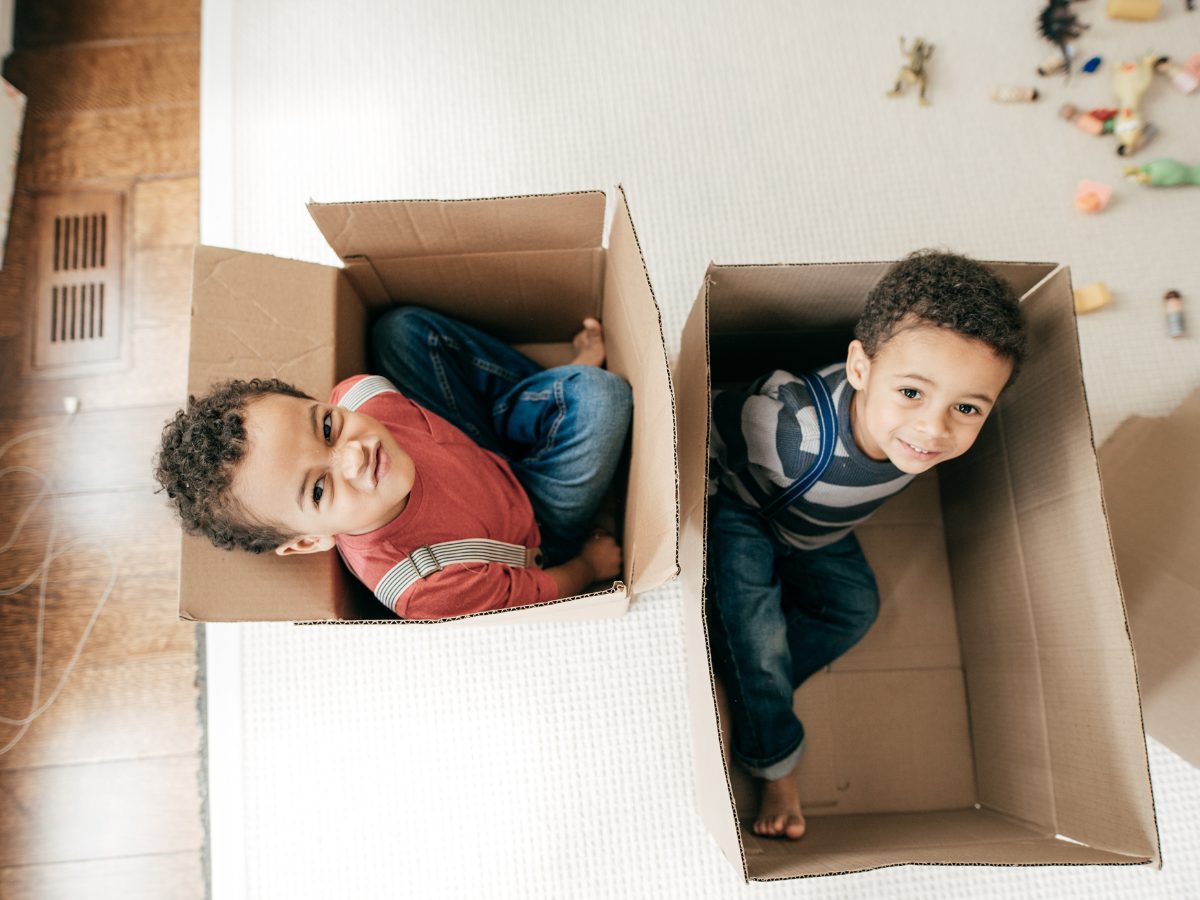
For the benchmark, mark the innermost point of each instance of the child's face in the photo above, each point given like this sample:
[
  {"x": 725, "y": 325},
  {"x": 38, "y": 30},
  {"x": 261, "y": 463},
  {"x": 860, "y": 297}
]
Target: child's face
[
  {"x": 318, "y": 470},
  {"x": 924, "y": 397}
]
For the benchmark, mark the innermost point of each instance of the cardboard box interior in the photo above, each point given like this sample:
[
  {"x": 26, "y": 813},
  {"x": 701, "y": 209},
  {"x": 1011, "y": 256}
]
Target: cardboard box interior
[
  {"x": 1152, "y": 491},
  {"x": 527, "y": 269},
  {"x": 991, "y": 715}
]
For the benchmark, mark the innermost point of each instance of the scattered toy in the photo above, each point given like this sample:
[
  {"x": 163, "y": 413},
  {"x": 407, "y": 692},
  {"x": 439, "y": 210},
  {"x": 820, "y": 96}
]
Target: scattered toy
[
  {"x": 1173, "y": 307},
  {"x": 1181, "y": 77},
  {"x": 1059, "y": 25},
  {"x": 1093, "y": 121},
  {"x": 1092, "y": 65},
  {"x": 1193, "y": 64},
  {"x": 1130, "y": 81},
  {"x": 1007, "y": 93},
  {"x": 1163, "y": 173},
  {"x": 1141, "y": 10},
  {"x": 1091, "y": 196},
  {"x": 913, "y": 70},
  {"x": 1055, "y": 63},
  {"x": 1092, "y": 297}
]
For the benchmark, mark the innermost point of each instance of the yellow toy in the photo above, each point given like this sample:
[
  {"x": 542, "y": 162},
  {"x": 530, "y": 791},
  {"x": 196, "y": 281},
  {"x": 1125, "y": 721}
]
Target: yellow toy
[
  {"x": 1142, "y": 10},
  {"x": 913, "y": 70},
  {"x": 1130, "y": 81},
  {"x": 1092, "y": 297}
]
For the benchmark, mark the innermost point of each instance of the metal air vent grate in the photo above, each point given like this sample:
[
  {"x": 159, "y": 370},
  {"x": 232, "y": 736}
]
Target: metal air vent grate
[{"x": 78, "y": 280}]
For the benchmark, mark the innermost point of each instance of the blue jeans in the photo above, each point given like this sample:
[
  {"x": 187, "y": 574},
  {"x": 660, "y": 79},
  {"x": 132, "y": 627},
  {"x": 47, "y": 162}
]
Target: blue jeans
[
  {"x": 561, "y": 430},
  {"x": 776, "y": 615}
]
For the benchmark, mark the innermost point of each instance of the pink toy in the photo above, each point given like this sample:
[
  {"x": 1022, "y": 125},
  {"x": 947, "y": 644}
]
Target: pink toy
[{"x": 1091, "y": 196}]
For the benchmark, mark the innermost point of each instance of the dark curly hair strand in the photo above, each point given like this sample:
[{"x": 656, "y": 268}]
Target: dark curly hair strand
[
  {"x": 949, "y": 291},
  {"x": 200, "y": 450}
]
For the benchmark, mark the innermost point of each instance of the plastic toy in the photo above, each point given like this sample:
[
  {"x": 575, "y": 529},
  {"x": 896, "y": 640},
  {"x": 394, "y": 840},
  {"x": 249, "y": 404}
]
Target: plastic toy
[
  {"x": 1007, "y": 93},
  {"x": 1130, "y": 81},
  {"x": 1173, "y": 308},
  {"x": 1092, "y": 297},
  {"x": 1091, "y": 196},
  {"x": 1092, "y": 64},
  {"x": 1193, "y": 64},
  {"x": 1058, "y": 25},
  {"x": 1182, "y": 78},
  {"x": 913, "y": 70},
  {"x": 1093, "y": 121},
  {"x": 1163, "y": 173},
  {"x": 1140, "y": 10}
]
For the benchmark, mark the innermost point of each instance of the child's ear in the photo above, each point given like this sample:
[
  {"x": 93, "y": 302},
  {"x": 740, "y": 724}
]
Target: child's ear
[
  {"x": 858, "y": 365},
  {"x": 308, "y": 543}
]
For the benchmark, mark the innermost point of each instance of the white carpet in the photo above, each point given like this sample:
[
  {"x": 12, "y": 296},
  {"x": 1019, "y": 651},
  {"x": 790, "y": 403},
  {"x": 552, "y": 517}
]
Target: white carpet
[{"x": 554, "y": 761}]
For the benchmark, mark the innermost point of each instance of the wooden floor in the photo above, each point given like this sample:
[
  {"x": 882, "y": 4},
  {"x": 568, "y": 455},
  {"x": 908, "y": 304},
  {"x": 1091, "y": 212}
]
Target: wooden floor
[{"x": 101, "y": 797}]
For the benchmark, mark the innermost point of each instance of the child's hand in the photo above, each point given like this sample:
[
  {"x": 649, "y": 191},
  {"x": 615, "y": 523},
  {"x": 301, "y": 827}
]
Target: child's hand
[{"x": 603, "y": 553}]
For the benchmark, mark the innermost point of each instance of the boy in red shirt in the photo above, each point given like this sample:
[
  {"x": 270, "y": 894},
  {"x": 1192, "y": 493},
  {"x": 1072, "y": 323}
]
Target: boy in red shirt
[{"x": 445, "y": 483}]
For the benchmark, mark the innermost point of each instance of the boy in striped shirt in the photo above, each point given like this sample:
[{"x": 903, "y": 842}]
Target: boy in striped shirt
[
  {"x": 789, "y": 588},
  {"x": 463, "y": 478}
]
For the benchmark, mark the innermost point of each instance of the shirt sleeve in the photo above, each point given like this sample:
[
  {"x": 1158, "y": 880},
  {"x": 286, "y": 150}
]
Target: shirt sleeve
[
  {"x": 760, "y": 427},
  {"x": 475, "y": 587}
]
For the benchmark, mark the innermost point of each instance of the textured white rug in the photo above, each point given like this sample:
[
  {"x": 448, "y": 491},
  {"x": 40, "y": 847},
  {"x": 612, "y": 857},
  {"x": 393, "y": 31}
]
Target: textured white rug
[{"x": 554, "y": 761}]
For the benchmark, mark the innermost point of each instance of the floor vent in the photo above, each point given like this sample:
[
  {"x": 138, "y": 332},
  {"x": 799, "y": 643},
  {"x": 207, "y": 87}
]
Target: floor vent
[{"x": 78, "y": 279}]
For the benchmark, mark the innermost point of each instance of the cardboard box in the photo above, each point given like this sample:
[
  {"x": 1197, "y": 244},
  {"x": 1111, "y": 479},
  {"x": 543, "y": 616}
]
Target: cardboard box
[
  {"x": 1152, "y": 490},
  {"x": 527, "y": 269},
  {"x": 991, "y": 715}
]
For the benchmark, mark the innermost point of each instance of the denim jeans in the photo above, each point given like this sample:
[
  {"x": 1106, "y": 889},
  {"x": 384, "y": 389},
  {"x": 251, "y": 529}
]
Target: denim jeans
[
  {"x": 561, "y": 430},
  {"x": 776, "y": 615}
]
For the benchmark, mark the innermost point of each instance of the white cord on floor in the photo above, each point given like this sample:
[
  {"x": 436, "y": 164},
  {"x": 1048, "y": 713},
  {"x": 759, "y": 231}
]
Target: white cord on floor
[{"x": 42, "y": 575}]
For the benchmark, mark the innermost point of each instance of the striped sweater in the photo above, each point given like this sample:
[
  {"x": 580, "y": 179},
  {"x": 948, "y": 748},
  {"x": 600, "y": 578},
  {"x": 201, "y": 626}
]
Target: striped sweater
[{"x": 767, "y": 436}]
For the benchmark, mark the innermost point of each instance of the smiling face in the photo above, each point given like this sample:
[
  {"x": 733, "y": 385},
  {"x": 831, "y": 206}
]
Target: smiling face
[
  {"x": 316, "y": 471},
  {"x": 924, "y": 396}
]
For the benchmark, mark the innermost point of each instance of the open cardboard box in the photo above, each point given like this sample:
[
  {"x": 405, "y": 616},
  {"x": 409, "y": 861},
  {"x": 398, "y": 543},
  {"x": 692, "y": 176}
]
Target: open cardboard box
[
  {"x": 991, "y": 716},
  {"x": 1152, "y": 490},
  {"x": 527, "y": 269}
]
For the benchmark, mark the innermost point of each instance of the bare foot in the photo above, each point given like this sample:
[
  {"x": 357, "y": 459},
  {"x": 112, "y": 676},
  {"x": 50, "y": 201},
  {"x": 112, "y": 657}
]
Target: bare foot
[
  {"x": 779, "y": 812},
  {"x": 589, "y": 344}
]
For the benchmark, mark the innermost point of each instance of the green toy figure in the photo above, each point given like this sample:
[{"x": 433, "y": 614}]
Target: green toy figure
[{"x": 1163, "y": 173}]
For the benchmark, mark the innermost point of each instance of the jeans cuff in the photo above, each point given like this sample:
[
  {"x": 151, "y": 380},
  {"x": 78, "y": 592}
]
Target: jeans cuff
[{"x": 777, "y": 770}]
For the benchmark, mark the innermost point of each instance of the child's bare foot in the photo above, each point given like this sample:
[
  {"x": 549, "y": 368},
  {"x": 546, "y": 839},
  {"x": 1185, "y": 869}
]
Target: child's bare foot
[
  {"x": 589, "y": 344},
  {"x": 779, "y": 812}
]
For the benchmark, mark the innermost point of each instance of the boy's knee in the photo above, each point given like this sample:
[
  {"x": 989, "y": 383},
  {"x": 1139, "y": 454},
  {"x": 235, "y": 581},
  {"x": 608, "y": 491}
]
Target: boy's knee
[
  {"x": 605, "y": 395},
  {"x": 400, "y": 328},
  {"x": 864, "y": 613}
]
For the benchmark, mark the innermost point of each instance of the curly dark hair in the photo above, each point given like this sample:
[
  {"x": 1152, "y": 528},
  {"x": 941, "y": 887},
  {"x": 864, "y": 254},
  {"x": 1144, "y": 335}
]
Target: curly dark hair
[
  {"x": 200, "y": 449},
  {"x": 949, "y": 291}
]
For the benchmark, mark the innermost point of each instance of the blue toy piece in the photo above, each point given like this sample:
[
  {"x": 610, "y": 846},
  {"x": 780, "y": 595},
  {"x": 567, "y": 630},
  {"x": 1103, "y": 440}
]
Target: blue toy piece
[{"x": 1092, "y": 64}]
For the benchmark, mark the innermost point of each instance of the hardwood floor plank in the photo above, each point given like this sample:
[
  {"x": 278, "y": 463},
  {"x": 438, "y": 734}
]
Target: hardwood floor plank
[
  {"x": 140, "y": 619},
  {"x": 162, "y": 285},
  {"x": 99, "y": 810},
  {"x": 167, "y": 876},
  {"x": 166, "y": 213},
  {"x": 158, "y": 376},
  {"x": 74, "y": 78},
  {"x": 72, "y": 21},
  {"x": 124, "y": 710},
  {"x": 97, "y": 450},
  {"x": 91, "y": 147}
]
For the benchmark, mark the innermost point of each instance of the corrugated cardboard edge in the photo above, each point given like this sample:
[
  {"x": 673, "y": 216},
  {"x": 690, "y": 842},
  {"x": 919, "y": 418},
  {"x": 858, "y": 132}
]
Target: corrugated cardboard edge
[
  {"x": 1157, "y": 861},
  {"x": 658, "y": 573}
]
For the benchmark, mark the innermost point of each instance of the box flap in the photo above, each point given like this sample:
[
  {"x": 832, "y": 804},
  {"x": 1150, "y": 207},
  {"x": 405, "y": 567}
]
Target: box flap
[
  {"x": 637, "y": 352},
  {"x": 949, "y": 837},
  {"x": 1051, "y": 679},
  {"x": 262, "y": 316},
  {"x": 1152, "y": 492},
  {"x": 395, "y": 229}
]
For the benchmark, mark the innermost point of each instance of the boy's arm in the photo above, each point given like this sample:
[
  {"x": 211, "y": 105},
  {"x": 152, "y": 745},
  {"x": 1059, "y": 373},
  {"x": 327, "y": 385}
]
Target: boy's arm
[{"x": 599, "y": 561}]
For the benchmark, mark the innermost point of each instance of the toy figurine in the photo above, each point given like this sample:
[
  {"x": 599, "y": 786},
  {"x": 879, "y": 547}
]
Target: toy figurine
[
  {"x": 1182, "y": 78},
  {"x": 1173, "y": 308},
  {"x": 1130, "y": 81},
  {"x": 1058, "y": 25},
  {"x": 1163, "y": 173},
  {"x": 913, "y": 71}
]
